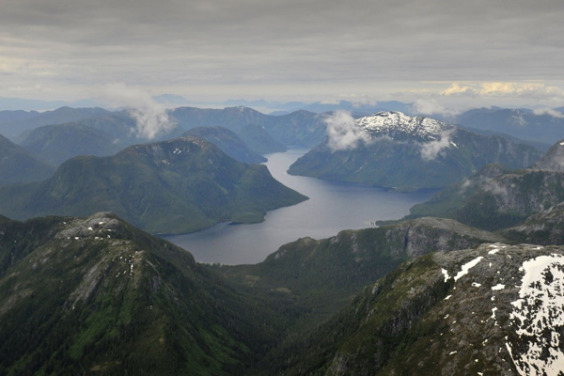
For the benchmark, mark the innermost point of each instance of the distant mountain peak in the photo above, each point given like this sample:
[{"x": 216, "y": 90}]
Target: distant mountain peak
[
  {"x": 553, "y": 159},
  {"x": 389, "y": 122}
]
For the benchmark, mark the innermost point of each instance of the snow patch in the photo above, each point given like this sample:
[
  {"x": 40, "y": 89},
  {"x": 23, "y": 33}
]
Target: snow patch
[
  {"x": 445, "y": 273},
  {"x": 538, "y": 311},
  {"x": 466, "y": 268},
  {"x": 498, "y": 287}
]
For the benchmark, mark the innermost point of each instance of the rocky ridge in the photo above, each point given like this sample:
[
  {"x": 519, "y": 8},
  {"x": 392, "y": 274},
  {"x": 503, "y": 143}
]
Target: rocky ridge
[
  {"x": 493, "y": 310},
  {"x": 497, "y": 197},
  {"x": 397, "y": 124}
]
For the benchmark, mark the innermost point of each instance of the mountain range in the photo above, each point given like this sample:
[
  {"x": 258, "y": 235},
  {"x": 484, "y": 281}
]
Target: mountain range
[
  {"x": 173, "y": 186},
  {"x": 542, "y": 127},
  {"x": 58, "y": 135},
  {"x": 299, "y": 128},
  {"x": 491, "y": 310},
  {"x": 497, "y": 197},
  {"x": 17, "y": 165},
  {"x": 95, "y": 294},
  {"x": 228, "y": 142},
  {"x": 396, "y": 151},
  {"x": 98, "y": 296},
  {"x": 477, "y": 291}
]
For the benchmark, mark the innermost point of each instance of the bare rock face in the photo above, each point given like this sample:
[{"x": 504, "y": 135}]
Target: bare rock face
[{"x": 554, "y": 158}]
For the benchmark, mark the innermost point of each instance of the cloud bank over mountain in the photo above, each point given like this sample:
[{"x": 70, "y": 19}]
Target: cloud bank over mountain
[
  {"x": 344, "y": 133},
  {"x": 293, "y": 50},
  {"x": 150, "y": 116}
]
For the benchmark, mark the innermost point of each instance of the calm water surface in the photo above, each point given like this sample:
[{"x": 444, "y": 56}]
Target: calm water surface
[{"x": 331, "y": 207}]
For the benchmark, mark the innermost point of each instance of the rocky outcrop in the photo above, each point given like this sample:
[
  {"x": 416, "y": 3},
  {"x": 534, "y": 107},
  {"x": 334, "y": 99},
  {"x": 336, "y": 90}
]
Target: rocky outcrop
[
  {"x": 495, "y": 309},
  {"x": 553, "y": 159}
]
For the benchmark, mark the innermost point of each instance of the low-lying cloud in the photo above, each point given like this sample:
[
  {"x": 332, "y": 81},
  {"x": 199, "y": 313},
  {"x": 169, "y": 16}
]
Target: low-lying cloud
[
  {"x": 550, "y": 112},
  {"x": 432, "y": 149},
  {"x": 151, "y": 118},
  {"x": 344, "y": 133}
]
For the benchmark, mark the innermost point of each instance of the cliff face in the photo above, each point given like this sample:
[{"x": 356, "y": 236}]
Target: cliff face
[
  {"x": 554, "y": 158},
  {"x": 545, "y": 227}
]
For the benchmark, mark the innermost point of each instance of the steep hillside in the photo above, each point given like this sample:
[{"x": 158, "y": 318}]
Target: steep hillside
[
  {"x": 101, "y": 135},
  {"x": 545, "y": 227},
  {"x": 496, "y": 309},
  {"x": 259, "y": 140},
  {"x": 496, "y": 197},
  {"x": 57, "y": 143},
  {"x": 172, "y": 186},
  {"x": 228, "y": 142},
  {"x": 97, "y": 296},
  {"x": 319, "y": 277},
  {"x": 17, "y": 165},
  {"x": 393, "y": 150},
  {"x": 300, "y": 128},
  {"x": 543, "y": 127}
]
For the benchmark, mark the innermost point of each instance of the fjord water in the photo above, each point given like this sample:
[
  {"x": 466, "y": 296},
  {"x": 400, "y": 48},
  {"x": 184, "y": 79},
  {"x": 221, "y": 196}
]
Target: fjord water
[{"x": 331, "y": 207}]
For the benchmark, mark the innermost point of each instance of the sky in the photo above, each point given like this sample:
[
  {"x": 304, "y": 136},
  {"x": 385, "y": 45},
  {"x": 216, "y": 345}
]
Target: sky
[{"x": 439, "y": 54}]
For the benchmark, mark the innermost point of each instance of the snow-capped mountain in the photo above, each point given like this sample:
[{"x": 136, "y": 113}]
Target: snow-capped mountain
[
  {"x": 397, "y": 123},
  {"x": 393, "y": 150},
  {"x": 511, "y": 195}
]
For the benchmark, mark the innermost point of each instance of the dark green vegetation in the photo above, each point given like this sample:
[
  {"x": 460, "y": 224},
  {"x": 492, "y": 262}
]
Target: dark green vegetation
[
  {"x": 259, "y": 140},
  {"x": 496, "y": 198},
  {"x": 322, "y": 274},
  {"x": 17, "y": 165},
  {"x": 97, "y": 296},
  {"x": 174, "y": 186},
  {"x": 399, "y": 164},
  {"x": 57, "y": 143},
  {"x": 228, "y": 142}
]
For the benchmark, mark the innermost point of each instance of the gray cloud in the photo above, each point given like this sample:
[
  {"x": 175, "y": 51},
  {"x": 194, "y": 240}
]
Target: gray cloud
[{"x": 276, "y": 48}]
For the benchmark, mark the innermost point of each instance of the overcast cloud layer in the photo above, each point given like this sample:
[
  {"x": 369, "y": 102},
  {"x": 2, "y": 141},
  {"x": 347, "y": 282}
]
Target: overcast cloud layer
[{"x": 432, "y": 51}]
